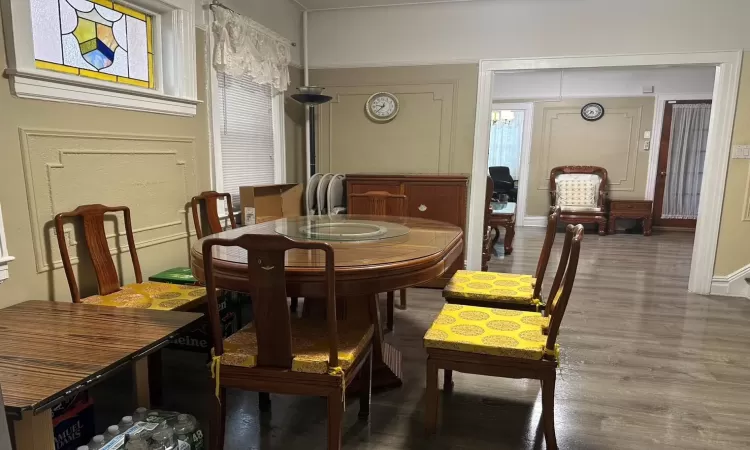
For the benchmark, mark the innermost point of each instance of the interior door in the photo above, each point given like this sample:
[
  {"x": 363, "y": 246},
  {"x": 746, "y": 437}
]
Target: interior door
[{"x": 663, "y": 165}]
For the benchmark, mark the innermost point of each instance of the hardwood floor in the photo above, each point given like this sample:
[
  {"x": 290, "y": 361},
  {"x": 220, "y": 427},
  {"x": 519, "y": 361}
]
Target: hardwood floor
[{"x": 645, "y": 365}]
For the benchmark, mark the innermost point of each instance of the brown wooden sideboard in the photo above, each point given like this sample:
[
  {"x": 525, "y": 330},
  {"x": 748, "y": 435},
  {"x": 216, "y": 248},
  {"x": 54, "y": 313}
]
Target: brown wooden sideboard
[{"x": 436, "y": 197}]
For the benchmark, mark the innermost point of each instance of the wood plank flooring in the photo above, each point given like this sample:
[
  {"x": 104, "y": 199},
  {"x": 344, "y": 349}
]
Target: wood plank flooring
[{"x": 645, "y": 365}]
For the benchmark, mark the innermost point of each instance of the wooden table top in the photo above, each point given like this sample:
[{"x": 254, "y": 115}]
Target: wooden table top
[
  {"x": 52, "y": 349},
  {"x": 426, "y": 244}
]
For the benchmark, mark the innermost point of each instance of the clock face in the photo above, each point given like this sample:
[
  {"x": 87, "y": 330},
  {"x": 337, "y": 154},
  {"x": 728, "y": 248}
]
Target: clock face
[
  {"x": 592, "y": 112},
  {"x": 382, "y": 107}
]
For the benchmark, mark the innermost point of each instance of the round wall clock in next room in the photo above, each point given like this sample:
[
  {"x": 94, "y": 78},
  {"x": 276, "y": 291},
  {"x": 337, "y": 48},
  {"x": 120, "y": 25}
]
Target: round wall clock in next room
[{"x": 592, "y": 112}]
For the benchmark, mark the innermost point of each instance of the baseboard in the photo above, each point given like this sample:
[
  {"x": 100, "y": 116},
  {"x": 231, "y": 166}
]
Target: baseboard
[
  {"x": 732, "y": 285},
  {"x": 535, "y": 221}
]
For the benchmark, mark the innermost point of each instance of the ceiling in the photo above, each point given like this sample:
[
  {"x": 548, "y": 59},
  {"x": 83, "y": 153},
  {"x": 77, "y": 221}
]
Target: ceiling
[{"x": 313, "y": 5}]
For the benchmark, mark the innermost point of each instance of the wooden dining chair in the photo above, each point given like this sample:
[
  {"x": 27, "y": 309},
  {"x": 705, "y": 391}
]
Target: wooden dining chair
[
  {"x": 205, "y": 208},
  {"x": 280, "y": 353},
  {"x": 503, "y": 342},
  {"x": 507, "y": 290},
  {"x": 149, "y": 294},
  {"x": 381, "y": 203}
]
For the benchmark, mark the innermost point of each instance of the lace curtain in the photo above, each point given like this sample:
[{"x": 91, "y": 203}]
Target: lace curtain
[
  {"x": 505, "y": 144},
  {"x": 687, "y": 151},
  {"x": 243, "y": 46}
]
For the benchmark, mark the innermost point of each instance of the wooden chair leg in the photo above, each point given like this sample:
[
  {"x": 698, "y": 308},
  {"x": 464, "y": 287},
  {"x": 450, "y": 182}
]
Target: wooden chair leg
[
  {"x": 402, "y": 298},
  {"x": 294, "y": 304},
  {"x": 264, "y": 401},
  {"x": 364, "y": 396},
  {"x": 218, "y": 421},
  {"x": 448, "y": 380},
  {"x": 389, "y": 311},
  {"x": 431, "y": 397},
  {"x": 335, "y": 419},
  {"x": 548, "y": 412}
]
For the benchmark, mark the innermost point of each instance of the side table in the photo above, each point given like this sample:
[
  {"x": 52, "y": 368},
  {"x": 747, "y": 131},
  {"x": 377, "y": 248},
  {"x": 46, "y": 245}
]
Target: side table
[
  {"x": 631, "y": 209},
  {"x": 504, "y": 215}
]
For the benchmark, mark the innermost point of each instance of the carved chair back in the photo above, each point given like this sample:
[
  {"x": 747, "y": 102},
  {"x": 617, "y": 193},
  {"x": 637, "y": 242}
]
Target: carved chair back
[
  {"x": 378, "y": 203},
  {"x": 209, "y": 212},
  {"x": 599, "y": 192},
  {"x": 267, "y": 277},
  {"x": 549, "y": 241},
  {"x": 563, "y": 283},
  {"x": 92, "y": 217}
]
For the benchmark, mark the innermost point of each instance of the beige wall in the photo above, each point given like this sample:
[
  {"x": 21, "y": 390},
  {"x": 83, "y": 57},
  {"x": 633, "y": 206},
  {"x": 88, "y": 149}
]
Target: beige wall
[
  {"x": 561, "y": 137},
  {"x": 433, "y": 132},
  {"x": 733, "y": 252},
  {"x": 56, "y": 156}
]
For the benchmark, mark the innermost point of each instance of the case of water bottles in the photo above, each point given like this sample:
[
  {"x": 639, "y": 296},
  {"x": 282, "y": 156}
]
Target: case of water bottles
[{"x": 150, "y": 430}]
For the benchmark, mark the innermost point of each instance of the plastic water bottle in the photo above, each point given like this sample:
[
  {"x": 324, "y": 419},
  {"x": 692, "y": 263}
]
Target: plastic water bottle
[
  {"x": 163, "y": 438},
  {"x": 140, "y": 414},
  {"x": 125, "y": 424},
  {"x": 135, "y": 442},
  {"x": 111, "y": 432},
  {"x": 184, "y": 429},
  {"x": 83, "y": 447},
  {"x": 97, "y": 442}
]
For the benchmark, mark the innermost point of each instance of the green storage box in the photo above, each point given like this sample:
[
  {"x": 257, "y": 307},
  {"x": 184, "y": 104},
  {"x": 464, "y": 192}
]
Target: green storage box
[{"x": 177, "y": 275}]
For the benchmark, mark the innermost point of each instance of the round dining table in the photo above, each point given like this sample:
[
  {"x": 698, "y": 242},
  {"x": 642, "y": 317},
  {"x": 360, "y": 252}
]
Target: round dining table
[{"x": 373, "y": 254}]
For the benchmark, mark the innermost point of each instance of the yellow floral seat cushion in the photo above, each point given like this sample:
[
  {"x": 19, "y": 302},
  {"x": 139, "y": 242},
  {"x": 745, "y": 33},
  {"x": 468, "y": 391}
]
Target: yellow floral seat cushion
[
  {"x": 491, "y": 287},
  {"x": 489, "y": 331},
  {"x": 150, "y": 295},
  {"x": 309, "y": 345}
]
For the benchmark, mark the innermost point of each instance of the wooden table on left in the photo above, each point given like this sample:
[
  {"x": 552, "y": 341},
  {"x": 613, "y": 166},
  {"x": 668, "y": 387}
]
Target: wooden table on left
[{"x": 50, "y": 351}]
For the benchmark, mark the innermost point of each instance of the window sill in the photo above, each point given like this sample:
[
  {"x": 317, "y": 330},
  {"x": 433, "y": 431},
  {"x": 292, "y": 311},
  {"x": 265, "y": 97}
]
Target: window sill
[{"x": 37, "y": 86}]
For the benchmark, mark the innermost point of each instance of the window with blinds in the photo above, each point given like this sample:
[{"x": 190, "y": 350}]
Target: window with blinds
[{"x": 246, "y": 133}]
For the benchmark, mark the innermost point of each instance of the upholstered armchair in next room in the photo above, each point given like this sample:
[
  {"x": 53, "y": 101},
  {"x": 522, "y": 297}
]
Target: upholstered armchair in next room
[{"x": 581, "y": 193}]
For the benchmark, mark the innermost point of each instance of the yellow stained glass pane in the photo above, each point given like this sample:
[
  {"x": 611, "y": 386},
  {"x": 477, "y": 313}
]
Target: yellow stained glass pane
[
  {"x": 129, "y": 11},
  {"x": 150, "y": 71},
  {"x": 148, "y": 34},
  {"x": 98, "y": 75},
  {"x": 56, "y": 67},
  {"x": 106, "y": 3},
  {"x": 85, "y": 31},
  {"x": 132, "y": 82}
]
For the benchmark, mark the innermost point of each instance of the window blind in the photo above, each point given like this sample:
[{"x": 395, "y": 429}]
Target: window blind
[{"x": 246, "y": 121}]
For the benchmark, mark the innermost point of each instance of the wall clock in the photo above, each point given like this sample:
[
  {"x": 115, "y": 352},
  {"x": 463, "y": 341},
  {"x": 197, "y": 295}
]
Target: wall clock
[
  {"x": 592, "y": 112},
  {"x": 381, "y": 107}
]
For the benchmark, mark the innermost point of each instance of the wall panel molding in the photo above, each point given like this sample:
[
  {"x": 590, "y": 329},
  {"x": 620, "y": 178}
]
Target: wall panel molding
[
  {"x": 335, "y": 141},
  {"x": 153, "y": 175}
]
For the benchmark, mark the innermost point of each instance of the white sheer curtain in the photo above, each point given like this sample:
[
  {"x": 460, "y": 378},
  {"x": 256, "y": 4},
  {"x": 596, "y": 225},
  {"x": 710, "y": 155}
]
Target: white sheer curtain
[
  {"x": 687, "y": 151},
  {"x": 505, "y": 143}
]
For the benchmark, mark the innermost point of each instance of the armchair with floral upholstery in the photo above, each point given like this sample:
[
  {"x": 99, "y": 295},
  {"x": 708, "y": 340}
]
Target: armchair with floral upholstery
[{"x": 581, "y": 193}]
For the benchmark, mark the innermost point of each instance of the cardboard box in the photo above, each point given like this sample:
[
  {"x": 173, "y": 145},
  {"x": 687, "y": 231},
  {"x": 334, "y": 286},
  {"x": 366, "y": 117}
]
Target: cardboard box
[
  {"x": 73, "y": 422},
  {"x": 264, "y": 203}
]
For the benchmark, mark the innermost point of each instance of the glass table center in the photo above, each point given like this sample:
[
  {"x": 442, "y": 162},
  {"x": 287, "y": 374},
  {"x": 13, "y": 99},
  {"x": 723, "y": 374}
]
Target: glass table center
[{"x": 338, "y": 228}]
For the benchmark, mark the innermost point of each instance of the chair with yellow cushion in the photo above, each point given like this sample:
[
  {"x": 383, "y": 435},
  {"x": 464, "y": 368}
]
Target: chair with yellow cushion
[
  {"x": 503, "y": 342},
  {"x": 281, "y": 354},
  {"x": 507, "y": 290},
  {"x": 148, "y": 295}
]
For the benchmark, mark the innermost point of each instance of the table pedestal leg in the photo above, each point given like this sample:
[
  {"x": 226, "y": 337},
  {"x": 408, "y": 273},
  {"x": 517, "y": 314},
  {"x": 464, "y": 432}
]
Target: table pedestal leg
[
  {"x": 34, "y": 432},
  {"x": 142, "y": 385}
]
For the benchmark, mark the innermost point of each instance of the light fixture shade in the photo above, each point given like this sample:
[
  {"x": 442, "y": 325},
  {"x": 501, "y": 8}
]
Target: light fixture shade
[{"x": 311, "y": 95}]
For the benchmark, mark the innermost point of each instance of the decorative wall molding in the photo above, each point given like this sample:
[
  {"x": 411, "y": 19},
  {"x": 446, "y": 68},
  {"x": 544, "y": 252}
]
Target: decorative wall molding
[
  {"x": 746, "y": 199},
  {"x": 535, "y": 221},
  {"x": 732, "y": 285},
  {"x": 5, "y": 257},
  {"x": 444, "y": 94},
  {"x": 153, "y": 175},
  {"x": 632, "y": 116}
]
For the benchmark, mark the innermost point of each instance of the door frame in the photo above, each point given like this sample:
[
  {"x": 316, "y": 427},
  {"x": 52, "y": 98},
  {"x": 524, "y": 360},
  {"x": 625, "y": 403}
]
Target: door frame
[
  {"x": 523, "y": 169},
  {"x": 726, "y": 87}
]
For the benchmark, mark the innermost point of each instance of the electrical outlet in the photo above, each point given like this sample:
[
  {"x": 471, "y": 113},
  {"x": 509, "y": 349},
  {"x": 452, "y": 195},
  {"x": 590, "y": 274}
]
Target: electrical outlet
[{"x": 741, "y": 152}]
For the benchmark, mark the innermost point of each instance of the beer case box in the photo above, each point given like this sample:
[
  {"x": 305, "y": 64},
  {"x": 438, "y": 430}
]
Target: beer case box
[
  {"x": 73, "y": 422},
  {"x": 260, "y": 204},
  {"x": 199, "y": 338},
  {"x": 176, "y": 275}
]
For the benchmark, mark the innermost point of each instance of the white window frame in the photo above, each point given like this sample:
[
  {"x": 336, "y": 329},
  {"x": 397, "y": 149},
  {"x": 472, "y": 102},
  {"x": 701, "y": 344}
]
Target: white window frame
[
  {"x": 279, "y": 136},
  {"x": 174, "y": 64},
  {"x": 5, "y": 257}
]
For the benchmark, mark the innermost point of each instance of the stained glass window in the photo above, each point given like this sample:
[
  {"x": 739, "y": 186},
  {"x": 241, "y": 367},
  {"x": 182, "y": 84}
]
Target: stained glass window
[{"x": 98, "y": 39}]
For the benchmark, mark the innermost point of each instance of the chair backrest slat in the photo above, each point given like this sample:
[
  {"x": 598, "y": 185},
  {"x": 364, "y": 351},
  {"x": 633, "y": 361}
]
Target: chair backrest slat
[
  {"x": 266, "y": 256},
  {"x": 549, "y": 241},
  {"x": 92, "y": 217},
  {"x": 563, "y": 283},
  {"x": 378, "y": 203},
  {"x": 207, "y": 203}
]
